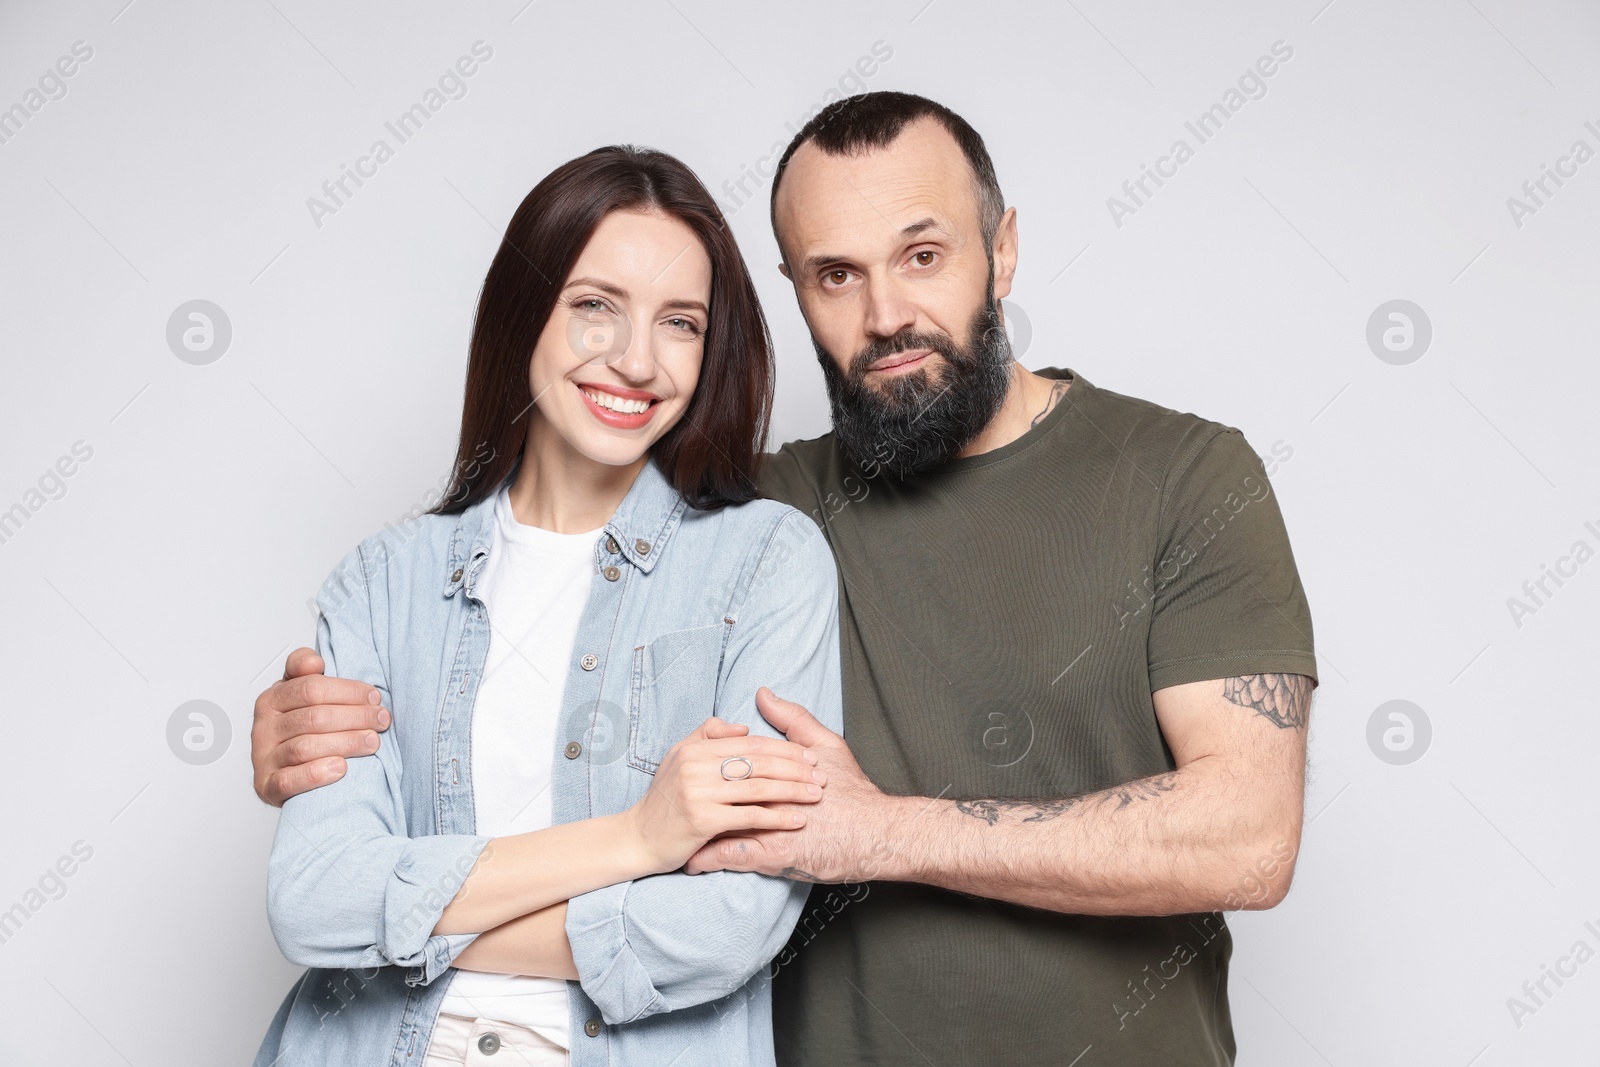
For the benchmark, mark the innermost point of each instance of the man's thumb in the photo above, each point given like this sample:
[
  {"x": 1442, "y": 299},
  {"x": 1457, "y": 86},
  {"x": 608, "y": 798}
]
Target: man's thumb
[{"x": 301, "y": 662}]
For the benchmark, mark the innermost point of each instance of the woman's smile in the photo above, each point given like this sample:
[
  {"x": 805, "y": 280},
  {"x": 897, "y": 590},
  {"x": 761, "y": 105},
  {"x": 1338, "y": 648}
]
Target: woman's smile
[{"x": 625, "y": 409}]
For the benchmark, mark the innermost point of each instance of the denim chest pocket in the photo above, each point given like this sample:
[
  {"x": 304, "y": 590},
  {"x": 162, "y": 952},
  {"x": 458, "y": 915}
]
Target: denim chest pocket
[{"x": 674, "y": 690}]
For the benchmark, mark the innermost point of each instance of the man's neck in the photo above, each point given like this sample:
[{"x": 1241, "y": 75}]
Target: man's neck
[{"x": 1029, "y": 399}]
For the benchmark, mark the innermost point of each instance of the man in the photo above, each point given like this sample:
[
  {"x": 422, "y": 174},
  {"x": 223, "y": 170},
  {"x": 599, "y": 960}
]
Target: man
[{"x": 1077, "y": 657}]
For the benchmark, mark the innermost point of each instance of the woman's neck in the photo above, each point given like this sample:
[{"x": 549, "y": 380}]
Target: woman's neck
[{"x": 561, "y": 490}]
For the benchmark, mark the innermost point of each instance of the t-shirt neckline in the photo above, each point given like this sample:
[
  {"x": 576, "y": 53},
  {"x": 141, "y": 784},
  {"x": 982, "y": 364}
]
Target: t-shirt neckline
[
  {"x": 537, "y": 537},
  {"x": 1033, "y": 436}
]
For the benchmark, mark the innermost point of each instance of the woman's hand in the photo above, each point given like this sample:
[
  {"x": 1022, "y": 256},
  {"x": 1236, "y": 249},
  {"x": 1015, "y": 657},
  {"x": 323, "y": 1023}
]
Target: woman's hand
[{"x": 689, "y": 802}]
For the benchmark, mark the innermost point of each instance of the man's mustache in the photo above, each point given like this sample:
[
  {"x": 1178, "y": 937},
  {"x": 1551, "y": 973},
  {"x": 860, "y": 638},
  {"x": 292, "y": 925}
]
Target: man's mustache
[{"x": 904, "y": 341}]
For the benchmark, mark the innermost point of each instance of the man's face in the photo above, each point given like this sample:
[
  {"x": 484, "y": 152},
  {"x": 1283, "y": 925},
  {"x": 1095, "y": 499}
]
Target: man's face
[{"x": 898, "y": 286}]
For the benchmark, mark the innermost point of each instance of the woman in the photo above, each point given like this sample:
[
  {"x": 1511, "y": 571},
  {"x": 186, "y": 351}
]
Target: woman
[{"x": 571, "y": 645}]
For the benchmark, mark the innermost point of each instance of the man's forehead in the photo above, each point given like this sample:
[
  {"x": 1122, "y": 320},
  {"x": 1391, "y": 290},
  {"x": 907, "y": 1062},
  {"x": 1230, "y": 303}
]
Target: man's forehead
[{"x": 873, "y": 196}]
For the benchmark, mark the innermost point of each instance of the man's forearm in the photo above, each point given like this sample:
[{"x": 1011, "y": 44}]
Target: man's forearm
[{"x": 1195, "y": 839}]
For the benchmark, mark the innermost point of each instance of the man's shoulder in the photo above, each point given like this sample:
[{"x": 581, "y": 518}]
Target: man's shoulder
[
  {"x": 798, "y": 471},
  {"x": 1153, "y": 436}
]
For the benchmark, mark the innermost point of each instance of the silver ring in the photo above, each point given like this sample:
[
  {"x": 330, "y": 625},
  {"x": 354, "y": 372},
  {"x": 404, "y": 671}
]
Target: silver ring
[{"x": 749, "y": 769}]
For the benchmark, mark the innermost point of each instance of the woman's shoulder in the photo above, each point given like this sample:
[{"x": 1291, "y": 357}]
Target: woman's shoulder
[
  {"x": 415, "y": 546},
  {"x": 761, "y": 534},
  {"x": 748, "y": 525}
]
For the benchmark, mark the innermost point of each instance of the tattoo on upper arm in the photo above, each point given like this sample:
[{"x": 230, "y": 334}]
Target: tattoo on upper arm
[
  {"x": 1282, "y": 698},
  {"x": 1043, "y": 809}
]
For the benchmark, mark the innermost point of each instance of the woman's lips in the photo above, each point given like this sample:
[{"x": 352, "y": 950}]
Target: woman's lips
[{"x": 622, "y": 420}]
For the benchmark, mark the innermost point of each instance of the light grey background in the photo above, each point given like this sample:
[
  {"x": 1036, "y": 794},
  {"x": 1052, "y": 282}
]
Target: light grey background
[{"x": 1377, "y": 166}]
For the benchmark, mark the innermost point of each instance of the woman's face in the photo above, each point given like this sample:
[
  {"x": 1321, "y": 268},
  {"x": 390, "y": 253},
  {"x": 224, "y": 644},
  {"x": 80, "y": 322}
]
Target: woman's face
[{"x": 618, "y": 361}]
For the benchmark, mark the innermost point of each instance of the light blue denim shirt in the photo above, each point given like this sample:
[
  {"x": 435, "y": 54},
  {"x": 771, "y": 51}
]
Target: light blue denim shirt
[{"x": 689, "y": 613}]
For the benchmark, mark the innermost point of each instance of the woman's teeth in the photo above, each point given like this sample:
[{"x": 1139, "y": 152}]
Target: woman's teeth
[{"x": 621, "y": 405}]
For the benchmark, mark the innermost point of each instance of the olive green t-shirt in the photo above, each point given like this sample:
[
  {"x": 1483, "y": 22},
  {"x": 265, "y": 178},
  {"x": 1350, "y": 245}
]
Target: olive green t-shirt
[{"x": 1004, "y": 621}]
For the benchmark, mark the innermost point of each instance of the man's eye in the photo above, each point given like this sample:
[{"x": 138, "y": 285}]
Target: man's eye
[
  {"x": 838, "y": 277},
  {"x": 924, "y": 259}
]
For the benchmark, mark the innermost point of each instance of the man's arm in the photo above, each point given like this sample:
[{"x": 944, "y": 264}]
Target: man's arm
[{"x": 1218, "y": 833}]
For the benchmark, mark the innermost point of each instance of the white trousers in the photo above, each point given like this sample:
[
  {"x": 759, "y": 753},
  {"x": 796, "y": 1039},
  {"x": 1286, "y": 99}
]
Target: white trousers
[{"x": 461, "y": 1042}]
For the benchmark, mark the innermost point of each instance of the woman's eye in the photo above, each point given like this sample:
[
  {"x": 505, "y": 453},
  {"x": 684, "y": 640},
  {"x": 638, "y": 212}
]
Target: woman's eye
[
  {"x": 591, "y": 304},
  {"x": 686, "y": 325}
]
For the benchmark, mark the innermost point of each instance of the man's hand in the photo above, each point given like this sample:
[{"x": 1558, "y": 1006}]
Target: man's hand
[
  {"x": 307, "y": 724},
  {"x": 843, "y": 830}
]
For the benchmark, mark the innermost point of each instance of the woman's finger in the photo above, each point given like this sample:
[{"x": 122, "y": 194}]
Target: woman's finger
[
  {"x": 756, "y": 817},
  {"x": 769, "y": 791},
  {"x": 722, "y": 748},
  {"x": 774, "y": 767}
]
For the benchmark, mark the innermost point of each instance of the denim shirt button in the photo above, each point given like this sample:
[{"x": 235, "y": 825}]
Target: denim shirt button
[
  {"x": 589, "y": 662},
  {"x": 573, "y": 750},
  {"x": 612, "y": 546},
  {"x": 643, "y": 546},
  {"x": 592, "y": 1027},
  {"x": 456, "y": 577},
  {"x": 612, "y": 574}
]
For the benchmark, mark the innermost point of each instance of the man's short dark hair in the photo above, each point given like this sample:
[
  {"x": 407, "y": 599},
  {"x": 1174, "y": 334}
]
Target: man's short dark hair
[{"x": 866, "y": 121}]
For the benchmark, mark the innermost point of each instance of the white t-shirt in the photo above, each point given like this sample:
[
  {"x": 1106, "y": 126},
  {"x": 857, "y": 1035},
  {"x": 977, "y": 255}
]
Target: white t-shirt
[{"x": 535, "y": 584}]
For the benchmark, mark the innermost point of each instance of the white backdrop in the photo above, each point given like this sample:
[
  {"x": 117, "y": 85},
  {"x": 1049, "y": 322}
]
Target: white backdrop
[{"x": 1450, "y": 855}]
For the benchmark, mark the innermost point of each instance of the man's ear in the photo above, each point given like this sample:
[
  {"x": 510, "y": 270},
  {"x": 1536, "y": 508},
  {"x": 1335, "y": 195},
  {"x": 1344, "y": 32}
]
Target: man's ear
[
  {"x": 783, "y": 269},
  {"x": 1005, "y": 253}
]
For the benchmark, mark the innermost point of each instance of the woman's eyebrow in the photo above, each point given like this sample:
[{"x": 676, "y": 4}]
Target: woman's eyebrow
[
  {"x": 687, "y": 305},
  {"x": 595, "y": 283}
]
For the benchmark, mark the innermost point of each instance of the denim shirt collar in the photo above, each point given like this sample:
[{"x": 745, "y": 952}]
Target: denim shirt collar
[{"x": 641, "y": 526}]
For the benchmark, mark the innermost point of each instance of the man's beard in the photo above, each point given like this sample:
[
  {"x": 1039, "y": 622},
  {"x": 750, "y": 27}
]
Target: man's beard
[{"x": 913, "y": 422}]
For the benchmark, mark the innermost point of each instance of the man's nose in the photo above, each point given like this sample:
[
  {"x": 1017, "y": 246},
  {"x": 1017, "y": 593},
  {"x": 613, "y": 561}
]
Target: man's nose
[{"x": 888, "y": 310}]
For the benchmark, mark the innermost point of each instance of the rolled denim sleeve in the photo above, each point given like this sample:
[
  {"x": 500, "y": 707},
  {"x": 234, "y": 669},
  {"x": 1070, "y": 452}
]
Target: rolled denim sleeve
[
  {"x": 671, "y": 941},
  {"x": 347, "y": 886}
]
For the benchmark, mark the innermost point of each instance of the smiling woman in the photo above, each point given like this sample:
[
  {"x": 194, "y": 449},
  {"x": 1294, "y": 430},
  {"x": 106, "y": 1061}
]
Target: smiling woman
[{"x": 567, "y": 697}]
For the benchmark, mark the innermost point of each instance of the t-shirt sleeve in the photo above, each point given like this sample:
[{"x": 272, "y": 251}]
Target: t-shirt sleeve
[
  {"x": 784, "y": 478},
  {"x": 1227, "y": 596}
]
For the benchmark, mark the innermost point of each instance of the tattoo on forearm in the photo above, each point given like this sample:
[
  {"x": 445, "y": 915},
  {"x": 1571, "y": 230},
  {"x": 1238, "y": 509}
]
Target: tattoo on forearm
[
  {"x": 1282, "y": 698},
  {"x": 989, "y": 809},
  {"x": 1043, "y": 809},
  {"x": 1055, "y": 395},
  {"x": 1142, "y": 789}
]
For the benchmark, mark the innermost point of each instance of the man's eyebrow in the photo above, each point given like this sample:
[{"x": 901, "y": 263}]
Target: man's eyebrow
[
  {"x": 826, "y": 259},
  {"x": 822, "y": 259},
  {"x": 595, "y": 283}
]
